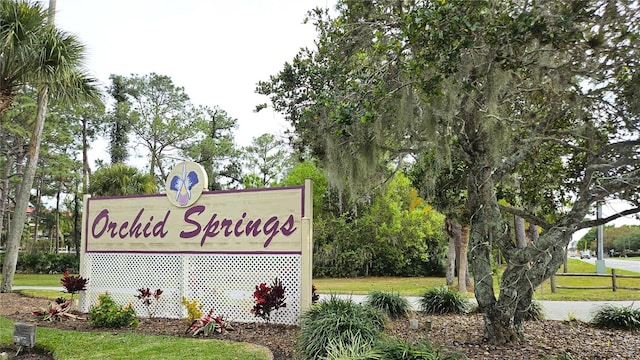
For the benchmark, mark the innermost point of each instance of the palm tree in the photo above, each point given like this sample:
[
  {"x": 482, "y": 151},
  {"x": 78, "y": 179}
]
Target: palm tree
[
  {"x": 34, "y": 53},
  {"x": 120, "y": 179}
]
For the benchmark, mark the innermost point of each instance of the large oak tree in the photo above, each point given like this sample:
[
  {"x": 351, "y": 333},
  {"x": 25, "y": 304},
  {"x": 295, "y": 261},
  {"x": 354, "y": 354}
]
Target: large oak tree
[{"x": 542, "y": 94}]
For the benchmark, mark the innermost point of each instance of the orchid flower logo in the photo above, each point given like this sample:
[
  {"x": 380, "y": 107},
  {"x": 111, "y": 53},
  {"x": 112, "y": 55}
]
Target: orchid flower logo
[{"x": 182, "y": 185}]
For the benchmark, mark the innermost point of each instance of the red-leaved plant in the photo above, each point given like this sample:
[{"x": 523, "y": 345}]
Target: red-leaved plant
[
  {"x": 58, "y": 310},
  {"x": 208, "y": 324},
  {"x": 268, "y": 299},
  {"x": 73, "y": 284},
  {"x": 145, "y": 295}
]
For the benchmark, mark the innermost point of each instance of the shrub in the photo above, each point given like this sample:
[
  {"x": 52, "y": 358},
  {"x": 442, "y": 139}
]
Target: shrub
[
  {"x": 268, "y": 299},
  {"x": 207, "y": 325},
  {"x": 73, "y": 284},
  {"x": 340, "y": 321},
  {"x": 145, "y": 295},
  {"x": 400, "y": 350},
  {"x": 534, "y": 312},
  {"x": 58, "y": 310},
  {"x": 194, "y": 309},
  {"x": 393, "y": 305},
  {"x": 108, "y": 314},
  {"x": 614, "y": 317},
  {"x": 352, "y": 347},
  {"x": 442, "y": 300}
]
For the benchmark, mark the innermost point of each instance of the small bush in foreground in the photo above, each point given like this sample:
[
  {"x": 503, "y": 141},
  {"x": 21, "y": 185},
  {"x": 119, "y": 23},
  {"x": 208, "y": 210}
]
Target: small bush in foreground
[
  {"x": 108, "y": 314},
  {"x": 614, "y": 317},
  {"x": 393, "y": 305},
  {"x": 352, "y": 347},
  {"x": 208, "y": 325},
  {"x": 340, "y": 321},
  {"x": 58, "y": 310},
  {"x": 442, "y": 300},
  {"x": 268, "y": 298},
  {"x": 534, "y": 312},
  {"x": 399, "y": 350},
  {"x": 194, "y": 309}
]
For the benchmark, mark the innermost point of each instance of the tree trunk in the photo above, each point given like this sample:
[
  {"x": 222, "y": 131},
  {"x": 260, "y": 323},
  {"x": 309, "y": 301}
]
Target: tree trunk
[
  {"x": 22, "y": 200},
  {"x": 463, "y": 273},
  {"x": 4, "y": 192},
  {"x": 453, "y": 232},
  {"x": 521, "y": 238}
]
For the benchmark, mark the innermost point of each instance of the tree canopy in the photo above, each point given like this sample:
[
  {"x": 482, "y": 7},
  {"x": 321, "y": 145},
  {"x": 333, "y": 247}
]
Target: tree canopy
[{"x": 535, "y": 100}]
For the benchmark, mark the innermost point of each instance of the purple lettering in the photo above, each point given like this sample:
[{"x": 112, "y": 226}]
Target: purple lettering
[
  {"x": 158, "y": 229},
  {"x": 146, "y": 232},
  {"x": 187, "y": 218},
  {"x": 271, "y": 229},
  {"x": 123, "y": 230},
  {"x": 226, "y": 224},
  {"x": 237, "y": 231},
  {"x": 211, "y": 229},
  {"x": 135, "y": 225},
  {"x": 253, "y": 228},
  {"x": 103, "y": 216},
  {"x": 287, "y": 228}
]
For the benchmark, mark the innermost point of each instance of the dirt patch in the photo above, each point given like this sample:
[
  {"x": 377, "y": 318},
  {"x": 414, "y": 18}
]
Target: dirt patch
[{"x": 459, "y": 333}]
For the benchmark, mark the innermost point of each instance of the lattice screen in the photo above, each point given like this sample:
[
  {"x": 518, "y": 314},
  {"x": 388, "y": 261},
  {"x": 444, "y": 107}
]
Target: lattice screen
[{"x": 222, "y": 282}]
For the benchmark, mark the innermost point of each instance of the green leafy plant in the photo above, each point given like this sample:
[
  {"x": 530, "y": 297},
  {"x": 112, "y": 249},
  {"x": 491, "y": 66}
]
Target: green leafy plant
[
  {"x": 617, "y": 317},
  {"x": 338, "y": 320},
  {"x": 535, "y": 312},
  {"x": 73, "y": 284},
  {"x": 352, "y": 347},
  {"x": 400, "y": 350},
  {"x": 194, "y": 309},
  {"x": 442, "y": 300},
  {"x": 107, "y": 314},
  {"x": 146, "y": 296},
  {"x": 58, "y": 310},
  {"x": 208, "y": 325},
  {"x": 393, "y": 305},
  {"x": 268, "y": 298}
]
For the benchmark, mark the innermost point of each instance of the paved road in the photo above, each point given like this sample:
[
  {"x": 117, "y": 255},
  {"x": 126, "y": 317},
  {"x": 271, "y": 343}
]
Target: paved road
[{"x": 618, "y": 263}]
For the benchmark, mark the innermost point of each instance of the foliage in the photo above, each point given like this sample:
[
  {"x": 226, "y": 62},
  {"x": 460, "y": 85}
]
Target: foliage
[
  {"x": 194, "y": 309},
  {"x": 107, "y": 314},
  {"x": 265, "y": 159},
  {"x": 145, "y": 295},
  {"x": 391, "y": 304},
  {"x": 337, "y": 320},
  {"x": 208, "y": 325},
  {"x": 58, "y": 310},
  {"x": 535, "y": 312},
  {"x": 268, "y": 298},
  {"x": 119, "y": 179},
  {"x": 73, "y": 284},
  {"x": 443, "y": 300},
  {"x": 399, "y": 350},
  {"x": 387, "y": 237},
  {"x": 533, "y": 107},
  {"x": 43, "y": 263},
  {"x": 352, "y": 347},
  {"x": 617, "y": 317}
]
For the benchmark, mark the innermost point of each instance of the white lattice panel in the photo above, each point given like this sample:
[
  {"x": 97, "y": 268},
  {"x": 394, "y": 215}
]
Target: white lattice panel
[{"x": 224, "y": 283}]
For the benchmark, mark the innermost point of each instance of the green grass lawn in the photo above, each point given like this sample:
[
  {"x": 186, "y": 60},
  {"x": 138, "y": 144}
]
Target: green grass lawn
[
  {"x": 416, "y": 286},
  {"x": 72, "y": 345}
]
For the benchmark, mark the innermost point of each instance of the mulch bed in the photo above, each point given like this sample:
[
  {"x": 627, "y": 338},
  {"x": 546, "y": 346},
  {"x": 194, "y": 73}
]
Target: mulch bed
[{"x": 453, "y": 333}]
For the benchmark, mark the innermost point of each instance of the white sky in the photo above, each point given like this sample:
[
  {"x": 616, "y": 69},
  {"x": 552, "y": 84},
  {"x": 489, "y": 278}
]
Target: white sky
[{"x": 216, "y": 49}]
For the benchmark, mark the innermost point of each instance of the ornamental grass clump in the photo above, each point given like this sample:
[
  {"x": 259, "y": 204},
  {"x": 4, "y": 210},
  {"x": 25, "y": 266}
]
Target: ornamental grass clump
[
  {"x": 617, "y": 317},
  {"x": 535, "y": 312},
  {"x": 393, "y": 305},
  {"x": 401, "y": 350},
  {"x": 442, "y": 300},
  {"x": 107, "y": 314},
  {"x": 338, "y": 321}
]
